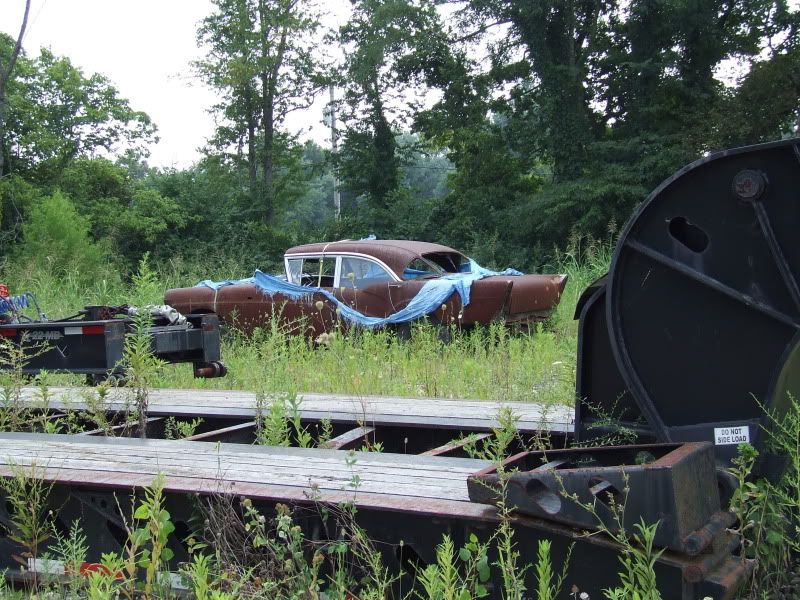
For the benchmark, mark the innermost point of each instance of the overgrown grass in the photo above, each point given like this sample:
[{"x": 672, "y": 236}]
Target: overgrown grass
[
  {"x": 485, "y": 363},
  {"x": 768, "y": 512}
]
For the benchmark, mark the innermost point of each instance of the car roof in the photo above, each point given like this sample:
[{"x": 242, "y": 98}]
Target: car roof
[{"x": 396, "y": 254}]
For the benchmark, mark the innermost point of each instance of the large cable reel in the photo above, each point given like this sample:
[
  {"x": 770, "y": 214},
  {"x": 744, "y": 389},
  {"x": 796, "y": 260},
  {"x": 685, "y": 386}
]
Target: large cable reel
[{"x": 702, "y": 305}]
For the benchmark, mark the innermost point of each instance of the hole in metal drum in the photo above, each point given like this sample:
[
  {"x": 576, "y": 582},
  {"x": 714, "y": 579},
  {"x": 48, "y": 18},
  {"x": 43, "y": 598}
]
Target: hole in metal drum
[{"x": 688, "y": 234}]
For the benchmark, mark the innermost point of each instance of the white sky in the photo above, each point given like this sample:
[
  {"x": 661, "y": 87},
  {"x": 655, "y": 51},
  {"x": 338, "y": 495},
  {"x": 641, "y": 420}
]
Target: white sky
[{"x": 145, "y": 48}]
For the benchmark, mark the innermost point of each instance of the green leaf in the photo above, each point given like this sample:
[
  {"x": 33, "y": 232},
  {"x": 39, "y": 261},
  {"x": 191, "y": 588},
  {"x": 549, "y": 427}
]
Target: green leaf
[
  {"x": 139, "y": 536},
  {"x": 143, "y": 512},
  {"x": 774, "y": 537},
  {"x": 483, "y": 569},
  {"x": 464, "y": 554}
]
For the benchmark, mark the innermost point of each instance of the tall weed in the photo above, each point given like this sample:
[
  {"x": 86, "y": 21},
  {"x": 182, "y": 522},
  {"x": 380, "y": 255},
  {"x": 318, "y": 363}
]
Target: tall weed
[{"x": 768, "y": 512}]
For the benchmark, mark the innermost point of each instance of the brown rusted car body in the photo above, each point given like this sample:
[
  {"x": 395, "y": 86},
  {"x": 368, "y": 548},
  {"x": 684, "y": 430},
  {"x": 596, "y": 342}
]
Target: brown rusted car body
[{"x": 377, "y": 278}]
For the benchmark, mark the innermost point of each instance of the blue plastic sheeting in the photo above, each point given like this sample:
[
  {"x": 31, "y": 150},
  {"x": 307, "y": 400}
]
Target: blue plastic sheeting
[
  {"x": 13, "y": 303},
  {"x": 414, "y": 273},
  {"x": 476, "y": 268},
  {"x": 430, "y": 297}
]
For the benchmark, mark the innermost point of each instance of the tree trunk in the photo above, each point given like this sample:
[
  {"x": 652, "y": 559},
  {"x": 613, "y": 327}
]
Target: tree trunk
[
  {"x": 269, "y": 83},
  {"x": 558, "y": 60},
  {"x": 268, "y": 160},
  {"x": 385, "y": 176},
  {"x": 251, "y": 141},
  {"x": 4, "y": 77}
]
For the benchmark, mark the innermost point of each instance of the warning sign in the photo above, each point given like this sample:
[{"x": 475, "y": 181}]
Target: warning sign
[{"x": 731, "y": 435}]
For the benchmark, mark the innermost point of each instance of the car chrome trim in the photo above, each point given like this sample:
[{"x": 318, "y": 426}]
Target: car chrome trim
[{"x": 338, "y": 256}]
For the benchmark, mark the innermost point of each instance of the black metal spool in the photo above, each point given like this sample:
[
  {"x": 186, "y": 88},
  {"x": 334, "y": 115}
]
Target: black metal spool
[
  {"x": 605, "y": 411},
  {"x": 702, "y": 300}
]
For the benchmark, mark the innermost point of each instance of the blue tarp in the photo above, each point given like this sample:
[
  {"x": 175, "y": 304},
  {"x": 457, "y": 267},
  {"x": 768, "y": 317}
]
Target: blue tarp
[
  {"x": 13, "y": 303},
  {"x": 430, "y": 297},
  {"x": 476, "y": 268}
]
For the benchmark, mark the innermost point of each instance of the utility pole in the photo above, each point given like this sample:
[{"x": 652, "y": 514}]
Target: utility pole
[{"x": 337, "y": 199}]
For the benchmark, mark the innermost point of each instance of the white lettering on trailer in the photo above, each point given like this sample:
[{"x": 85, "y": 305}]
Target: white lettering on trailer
[
  {"x": 724, "y": 436},
  {"x": 44, "y": 335}
]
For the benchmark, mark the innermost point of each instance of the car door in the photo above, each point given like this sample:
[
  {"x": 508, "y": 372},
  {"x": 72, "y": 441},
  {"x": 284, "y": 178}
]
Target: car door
[{"x": 364, "y": 284}]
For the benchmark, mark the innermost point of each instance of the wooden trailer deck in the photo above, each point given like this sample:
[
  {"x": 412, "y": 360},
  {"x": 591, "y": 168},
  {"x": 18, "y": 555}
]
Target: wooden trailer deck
[
  {"x": 395, "y": 482},
  {"x": 465, "y": 415},
  {"x": 427, "y": 498}
]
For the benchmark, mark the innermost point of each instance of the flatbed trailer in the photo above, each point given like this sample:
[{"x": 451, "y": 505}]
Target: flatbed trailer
[
  {"x": 405, "y": 503},
  {"x": 406, "y": 497},
  {"x": 94, "y": 346}
]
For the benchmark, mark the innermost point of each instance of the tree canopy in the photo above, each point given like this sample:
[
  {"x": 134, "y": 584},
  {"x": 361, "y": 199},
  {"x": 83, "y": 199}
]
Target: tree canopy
[{"x": 503, "y": 128}]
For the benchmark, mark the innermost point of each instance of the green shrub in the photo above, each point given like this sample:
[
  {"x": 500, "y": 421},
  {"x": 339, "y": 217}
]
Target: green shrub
[{"x": 56, "y": 239}]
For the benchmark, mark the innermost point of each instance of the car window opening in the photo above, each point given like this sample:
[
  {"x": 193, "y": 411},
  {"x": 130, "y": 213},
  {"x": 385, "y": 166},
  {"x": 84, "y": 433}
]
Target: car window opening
[
  {"x": 313, "y": 272},
  {"x": 448, "y": 262},
  {"x": 436, "y": 264}
]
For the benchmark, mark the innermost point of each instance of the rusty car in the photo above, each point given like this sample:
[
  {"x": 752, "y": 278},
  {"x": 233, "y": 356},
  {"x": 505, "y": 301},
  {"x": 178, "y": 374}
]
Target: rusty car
[{"x": 373, "y": 283}]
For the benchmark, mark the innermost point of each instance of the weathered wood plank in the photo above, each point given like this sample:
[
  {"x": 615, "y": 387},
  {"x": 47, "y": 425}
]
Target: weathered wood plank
[
  {"x": 300, "y": 470},
  {"x": 349, "y": 439},
  {"x": 117, "y": 429},
  {"x": 456, "y": 445},
  {"x": 367, "y": 410},
  {"x": 281, "y": 473},
  {"x": 219, "y": 434}
]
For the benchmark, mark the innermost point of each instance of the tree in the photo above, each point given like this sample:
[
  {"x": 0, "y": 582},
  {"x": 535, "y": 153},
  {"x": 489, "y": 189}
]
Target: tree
[
  {"x": 384, "y": 41},
  {"x": 578, "y": 108},
  {"x": 56, "y": 238},
  {"x": 131, "y": 216},
  {"x": 259, "y": 55},
  {"x": 551, "y": 43},
  {"x": 56, "y": 114},
  {"x": 5, "y": 75}
]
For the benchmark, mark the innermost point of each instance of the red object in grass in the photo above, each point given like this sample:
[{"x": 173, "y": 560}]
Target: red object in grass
[{"x": 87, "y": 568}]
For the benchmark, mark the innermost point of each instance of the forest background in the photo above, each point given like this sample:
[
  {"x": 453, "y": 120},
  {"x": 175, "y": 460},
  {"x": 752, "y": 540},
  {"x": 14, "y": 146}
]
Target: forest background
[{"x": 506, "y": 129}]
